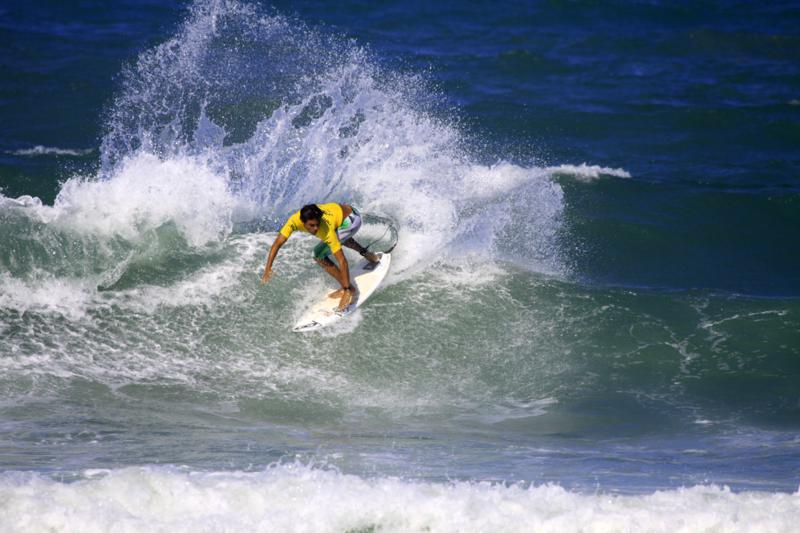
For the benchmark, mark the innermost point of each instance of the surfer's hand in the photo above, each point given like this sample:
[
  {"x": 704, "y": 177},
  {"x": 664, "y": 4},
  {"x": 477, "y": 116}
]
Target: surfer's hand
[{"x": 266, "y": 276}]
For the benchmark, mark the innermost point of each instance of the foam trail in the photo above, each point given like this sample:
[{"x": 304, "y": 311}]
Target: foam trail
[
  {"x": 584, "y": 172},
  {"x": 301, "y": 498},
  {"x": 50, "y": 150}
]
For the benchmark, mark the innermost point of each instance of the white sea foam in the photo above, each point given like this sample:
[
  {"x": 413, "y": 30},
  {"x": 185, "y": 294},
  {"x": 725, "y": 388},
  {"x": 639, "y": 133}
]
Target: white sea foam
[
  {"x": 301, "y": 498},
  {"x": 22, "y": 201},
  {"x": 154, "y": 325},
  {"x": 210, "y": 284},
  {"x": 584, "y": 172},
  {"x": 145, "y": 193},
  {"x": 51, "y": 150},
  {"x": 60, "y": 295}
]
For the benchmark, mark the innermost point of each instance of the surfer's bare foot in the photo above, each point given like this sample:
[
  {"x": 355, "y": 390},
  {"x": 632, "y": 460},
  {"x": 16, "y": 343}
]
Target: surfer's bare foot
[
  {"x": 372, "y": 257},
  {"x": 337, "y": 293},
  {"x": 347, "y": 297}
]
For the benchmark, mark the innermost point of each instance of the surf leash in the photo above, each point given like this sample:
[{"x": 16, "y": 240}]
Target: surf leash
[{"x": 390, "y": 227}]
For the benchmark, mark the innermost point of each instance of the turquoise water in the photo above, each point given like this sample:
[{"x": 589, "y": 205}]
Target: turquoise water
[{"x": 592, "y": 318}]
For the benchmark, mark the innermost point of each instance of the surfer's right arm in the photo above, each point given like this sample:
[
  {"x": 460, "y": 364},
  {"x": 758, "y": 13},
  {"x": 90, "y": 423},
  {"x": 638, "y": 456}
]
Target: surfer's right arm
[
  {"x": 276, "y": 245},
  {"x": 292, "y": 224}
]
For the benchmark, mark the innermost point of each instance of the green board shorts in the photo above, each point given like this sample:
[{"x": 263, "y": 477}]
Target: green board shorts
[{"x": 349, "y": 227}]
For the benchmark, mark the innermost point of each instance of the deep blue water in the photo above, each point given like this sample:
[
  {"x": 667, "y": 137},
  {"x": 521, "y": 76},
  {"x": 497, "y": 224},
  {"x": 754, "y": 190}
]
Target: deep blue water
[{"x": 598, "y": 274}]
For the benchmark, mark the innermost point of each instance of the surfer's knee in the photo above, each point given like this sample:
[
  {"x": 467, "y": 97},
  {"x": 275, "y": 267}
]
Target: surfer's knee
[{"x": 324, "y": 262}]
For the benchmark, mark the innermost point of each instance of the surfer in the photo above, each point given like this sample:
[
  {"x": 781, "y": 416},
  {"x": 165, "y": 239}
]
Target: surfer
[{"x": 334, "y": 224}]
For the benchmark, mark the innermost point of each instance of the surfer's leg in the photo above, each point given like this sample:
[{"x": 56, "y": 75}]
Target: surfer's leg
[
  {"x": 322, "y": 255},
  {"x": 348, "y": 229},
  {"x": 372, "y": 257},
  {"x": 329, "y": 267}
]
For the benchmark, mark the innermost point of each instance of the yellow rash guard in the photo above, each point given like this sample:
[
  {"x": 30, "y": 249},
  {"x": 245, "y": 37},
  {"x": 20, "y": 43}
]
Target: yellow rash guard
[{"x": 332, "y": 217}]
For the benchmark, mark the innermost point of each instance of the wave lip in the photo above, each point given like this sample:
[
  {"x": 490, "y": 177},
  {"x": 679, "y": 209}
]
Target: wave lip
[
  {"x": 145, "y": 193},
  {"x": 295, "y": 497}
]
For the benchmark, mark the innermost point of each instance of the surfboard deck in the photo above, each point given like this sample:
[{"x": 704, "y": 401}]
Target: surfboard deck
[{"x": 365, "y": 276}]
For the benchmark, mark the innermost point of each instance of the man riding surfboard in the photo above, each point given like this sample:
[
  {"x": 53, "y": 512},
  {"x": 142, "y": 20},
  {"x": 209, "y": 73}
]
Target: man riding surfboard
[{"x": 335, "y": 225}]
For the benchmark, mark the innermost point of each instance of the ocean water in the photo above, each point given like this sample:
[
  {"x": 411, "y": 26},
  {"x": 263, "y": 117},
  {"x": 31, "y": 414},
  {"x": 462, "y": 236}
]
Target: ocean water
[{"x": 592, "y": 321}]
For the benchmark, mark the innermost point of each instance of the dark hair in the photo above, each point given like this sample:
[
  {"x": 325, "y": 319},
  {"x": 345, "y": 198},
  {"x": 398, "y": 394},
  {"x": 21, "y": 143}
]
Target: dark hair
[{"x": 311, "y": 212}]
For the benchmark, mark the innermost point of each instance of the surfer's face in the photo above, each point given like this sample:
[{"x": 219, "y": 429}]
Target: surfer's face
[{"x": 311, "y": 226}]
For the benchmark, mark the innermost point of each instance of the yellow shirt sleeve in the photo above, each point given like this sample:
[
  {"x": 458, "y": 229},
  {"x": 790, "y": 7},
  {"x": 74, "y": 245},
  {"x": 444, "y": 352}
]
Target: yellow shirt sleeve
[{"x": 292, "y": 224}]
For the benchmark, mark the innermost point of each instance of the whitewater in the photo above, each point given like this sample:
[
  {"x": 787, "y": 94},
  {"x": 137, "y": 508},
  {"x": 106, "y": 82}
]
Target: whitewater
[{"x": 299, "y": 498}]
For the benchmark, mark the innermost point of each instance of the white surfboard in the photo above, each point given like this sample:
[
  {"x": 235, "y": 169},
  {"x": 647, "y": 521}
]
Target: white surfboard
[{"x": 365, "y": 276}]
